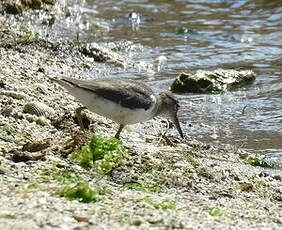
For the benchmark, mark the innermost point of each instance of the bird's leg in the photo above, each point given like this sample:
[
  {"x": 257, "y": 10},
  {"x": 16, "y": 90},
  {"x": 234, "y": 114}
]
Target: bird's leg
[
  {"x": 119, "y": 131},
  {"x": 79, "y": 117}
]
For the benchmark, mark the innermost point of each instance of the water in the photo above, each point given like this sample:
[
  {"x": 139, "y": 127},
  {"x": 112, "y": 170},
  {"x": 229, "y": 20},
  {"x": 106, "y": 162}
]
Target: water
[{"x": 238, "y": 34}]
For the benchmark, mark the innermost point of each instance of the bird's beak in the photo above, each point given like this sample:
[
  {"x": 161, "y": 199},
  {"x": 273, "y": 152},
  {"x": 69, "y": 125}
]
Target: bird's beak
[{"x": 177, "y": 125}]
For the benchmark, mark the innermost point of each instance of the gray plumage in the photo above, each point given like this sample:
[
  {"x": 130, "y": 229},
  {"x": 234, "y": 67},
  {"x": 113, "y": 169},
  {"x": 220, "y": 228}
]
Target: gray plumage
[{"x": 127, "y": 93}]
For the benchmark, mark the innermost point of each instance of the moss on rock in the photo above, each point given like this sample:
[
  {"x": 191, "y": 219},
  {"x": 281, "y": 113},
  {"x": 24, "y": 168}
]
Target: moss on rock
[{"x": 217, "y": 81}]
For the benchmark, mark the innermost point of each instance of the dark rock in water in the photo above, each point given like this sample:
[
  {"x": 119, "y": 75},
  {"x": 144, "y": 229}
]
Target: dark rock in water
[
  {"x": 217, "y": 81},
  {"x": 185, "y": 31}
]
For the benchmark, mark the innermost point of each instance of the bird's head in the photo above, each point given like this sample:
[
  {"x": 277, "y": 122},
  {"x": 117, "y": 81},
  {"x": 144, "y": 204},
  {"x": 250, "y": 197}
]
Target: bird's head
[{"x": 168, "y": 108}]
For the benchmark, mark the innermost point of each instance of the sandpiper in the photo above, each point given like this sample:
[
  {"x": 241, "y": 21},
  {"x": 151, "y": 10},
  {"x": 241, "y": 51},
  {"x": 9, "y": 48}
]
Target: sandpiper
[{"x": 123, "y": 101}]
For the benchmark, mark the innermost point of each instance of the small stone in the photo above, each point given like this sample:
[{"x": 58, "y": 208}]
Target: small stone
[
  {"x": 41, "y": 70},
  {"x": 136, "y": 222},
  {"x": 37, "y": 145},
  {"x": 80, "y": 218},
  {"x": 246, "y": 187},
  {"x": 20, "y": 156},
  {"x": 277, "y": 177}
]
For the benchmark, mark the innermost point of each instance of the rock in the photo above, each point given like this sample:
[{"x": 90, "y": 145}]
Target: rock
[
  {"x": 246, "y": 187},
  {"x": 216, "y": 81},
  {"x": 36, "y": 146},
  {"x": 102, "y": 54},
  {"x": 20, "y": 156}
]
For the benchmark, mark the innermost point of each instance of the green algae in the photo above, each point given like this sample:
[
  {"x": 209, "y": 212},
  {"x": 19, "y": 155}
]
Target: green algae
[
  {"x": 63, "y": 176},
  {"x": 102, "y": 154},
  {"x": 256, "y": 161},
  {"x": 165, "y": 204},
  {"x": 8, "y": 216},
  {"x": 142, "y": 186},
  {"x": 214, "y": 211},
  {"x": 82, "y": 192}
]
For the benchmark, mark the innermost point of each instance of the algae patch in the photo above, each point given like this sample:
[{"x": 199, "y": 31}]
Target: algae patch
[
  {"x": 165, "y": 204},
  {"x": 63, "y": 176},
  {"x": 82, "y": 191},
  {"x": 214, "y": 211},
  {"x": 102, "y": 154},
  {"x": 142, "y": 186},
  {"x": 256, "y": 161},
  {"x": 8, "y": 216}
]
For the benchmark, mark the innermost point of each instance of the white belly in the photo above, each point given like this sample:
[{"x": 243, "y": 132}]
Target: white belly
[{"x": 112, "y": 110}]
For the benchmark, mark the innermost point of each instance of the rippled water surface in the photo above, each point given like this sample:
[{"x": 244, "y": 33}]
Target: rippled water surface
[{"x": 238, "y": 34}]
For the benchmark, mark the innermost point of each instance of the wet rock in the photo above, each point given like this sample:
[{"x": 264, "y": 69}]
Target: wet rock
[
  {"x": 217, "y": 81},
  {"x": 102, "y": 54}
]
